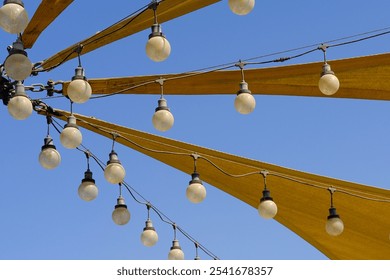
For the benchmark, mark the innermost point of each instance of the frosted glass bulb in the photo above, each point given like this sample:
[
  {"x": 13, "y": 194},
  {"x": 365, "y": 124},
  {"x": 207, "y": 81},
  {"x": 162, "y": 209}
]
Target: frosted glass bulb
[
  {"x": 175, "y": 253},
  {"x": 245, "y": 103},
  {"x": 241, "y": 7},
  {"x": 79, "y": 91},
  {"x": 121, "y": 215},
  {"x": 163, "y": 120},
  {"x": 149, "y": 236},
  {"x": 13, "y": 18},
  {"x": 158, "y": 48},
  {"x": 49, "y": 157},
  {"x": 71, "y": 137},
  {"x": 18, "y": 66},
  {"x": 20, "y": 107},
  {"x": 334, "y": 226},
  {"x": 88, "y": 190},
  {"x": 267, "y": 209},
  {"x": 329, "y": 84},
  {"x": 114, "y": 173},
  {"x": 196, "y": 192}
]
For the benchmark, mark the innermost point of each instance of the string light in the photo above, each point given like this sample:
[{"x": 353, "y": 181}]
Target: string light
[
  {"x": 120, "y": 215},
  {"x": 79, "y": 90},
  {"x": 195, "y": 191},
  {"x": 88, "y": 190},
  {"x": 158, "y": 47},
  {"x": 71, "y": 136},
  {"x": 13, "y": 16},
  {"x": 176, "y": 253},
  {"x": 49, "y": 157},
  {"x": 17, "y": 65},
  {"x": 334, "y": 225},
  {"x": 244, "y": 103},
  {"x": 328, "y": 84},
  {"x": 162, "y": 118},
  {"x": 267, "y": 207},
  {"x": 241, "y": 7},
  {"x": 149, "y": 236},
  {"x": 114, "y": 172},
  {"x": 20, "y": 106}
]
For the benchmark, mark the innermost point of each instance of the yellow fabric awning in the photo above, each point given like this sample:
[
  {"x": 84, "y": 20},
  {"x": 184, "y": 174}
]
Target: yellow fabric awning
[
  {"x": 302, "y": 198},
  {"x": 365, "y": 77}
]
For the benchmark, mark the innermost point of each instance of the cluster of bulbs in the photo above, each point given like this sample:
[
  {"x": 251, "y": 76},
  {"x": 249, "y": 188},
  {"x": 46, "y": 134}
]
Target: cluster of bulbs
[
  {"x": 14, "y": 19},
  {"x": 114, "y": 173}
]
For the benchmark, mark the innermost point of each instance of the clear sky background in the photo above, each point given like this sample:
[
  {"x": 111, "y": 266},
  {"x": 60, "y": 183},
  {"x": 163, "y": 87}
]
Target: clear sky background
[{"x": 41, "y": 215}]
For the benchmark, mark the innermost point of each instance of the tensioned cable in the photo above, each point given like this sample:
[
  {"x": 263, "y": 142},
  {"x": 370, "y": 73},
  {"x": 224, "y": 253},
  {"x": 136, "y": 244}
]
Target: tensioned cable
[
  {"x": 135, "y": 15},
  {"x": 236, "y": 175},
  {"x": 314, "y": 47}
]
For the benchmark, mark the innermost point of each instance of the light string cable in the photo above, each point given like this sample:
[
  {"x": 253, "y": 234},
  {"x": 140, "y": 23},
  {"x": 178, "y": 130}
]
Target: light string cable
[
  {"x": 354, "y": 193},
  {"x": 225, "y": 66},
  {"x": 191, "y": 154}
]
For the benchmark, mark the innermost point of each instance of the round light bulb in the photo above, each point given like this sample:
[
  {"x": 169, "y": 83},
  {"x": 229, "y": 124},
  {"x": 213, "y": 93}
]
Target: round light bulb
[
  {"x": 13, "y": 17},
  {"x": 267, "y": 209},
  {"x": 244, "y": 103},
  {"x": 241, "y": 7},
  {"x": 20, "y": 107},
  {"x": 334, "y": 225},
  {"x": 158, "y": 48},
  {"x": 79, "y": 91},
  {"x": 149, "y": 236},
  {"x": 71, "y": 136},
  {"x": 176, "y": 252},
  {"x": 195, "y": 191},
  {"x": 162, "y": 118},
  {"x": 114, "y": 171},
  {"x": 18, "y": 66},
  {"x": 88, "y": 190},
  {"x": 121, "y": 215},
  {"x": 49, "y": 157},
  {"x": 329, "y": 84}
]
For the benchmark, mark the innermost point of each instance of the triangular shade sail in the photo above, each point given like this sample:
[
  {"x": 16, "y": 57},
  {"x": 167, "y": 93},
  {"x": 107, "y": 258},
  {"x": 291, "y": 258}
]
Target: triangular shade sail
[
  {"x": 46, "y": 13},
  {"x": 303, "y": 199},
  {"x": 167, "y": 10},
  {"x": 365, "y": 77}
]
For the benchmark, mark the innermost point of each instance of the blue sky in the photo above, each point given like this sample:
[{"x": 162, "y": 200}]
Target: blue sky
[{"x": 41, "y": 215}]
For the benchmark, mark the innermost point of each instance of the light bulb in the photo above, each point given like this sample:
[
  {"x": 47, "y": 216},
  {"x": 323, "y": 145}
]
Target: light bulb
[
  {"x": 121, "y": 215},
  {"x": 175, "y": 253},
  {"x": 17, "y": 65},
  {"x": 49, "y": 157},
  {"x": 71, "y": 136},
  {"x": 79, "y": 90},
  {"x": 149, "y": 236},
  {"x": 13, "y": 16},
  {"x": 162, "y": 118},
  {"x": 114, "y": 171},
  {"x": 88, "y": 190},
  {"x": 267, "y": 207},
  {"x": 20, "y": 106},
  {"x": 334, "y": 225},
  {"x": 157, "y": 48},
  {"x": 328, "y": 84},
  {"x": 244, "y": 103},
  {"x": 241, "y": 7},
  {"x": 196, "y": 192}
]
